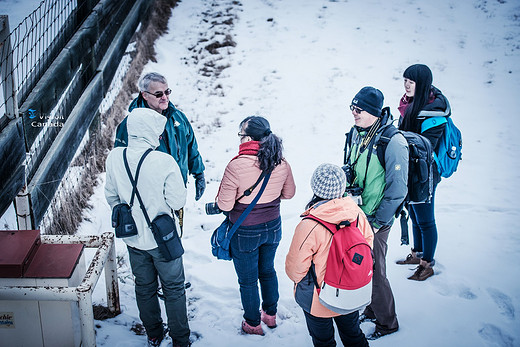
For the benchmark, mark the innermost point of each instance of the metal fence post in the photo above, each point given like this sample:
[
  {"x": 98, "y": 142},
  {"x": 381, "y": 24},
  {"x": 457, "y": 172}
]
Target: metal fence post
[
  {"x": 86, "y": 316},
  {"x": 22, "y": 206},
  {"x": 111, "y": 280},
  {"x": 6, "y": 71}
]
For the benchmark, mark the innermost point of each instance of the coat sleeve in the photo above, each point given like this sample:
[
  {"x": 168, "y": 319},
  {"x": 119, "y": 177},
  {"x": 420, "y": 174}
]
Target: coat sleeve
[
  {"x": 289, "y": 187},
  {"x": 301, "y": 252},
  {"x": 366, "y": 229},
  {"x": 111, "y": 194},
  {"x": 227, "y": 192},
  {"x": 396, "y": 178},
  {"x": 174, "y": 188},
  {"x": 195, "y": 164}
]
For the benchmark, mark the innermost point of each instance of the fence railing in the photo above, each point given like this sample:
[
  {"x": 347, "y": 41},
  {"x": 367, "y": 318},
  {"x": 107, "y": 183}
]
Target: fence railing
[
  {"x": 31, "y": 47},
  {"x": 60, "y": 92}
]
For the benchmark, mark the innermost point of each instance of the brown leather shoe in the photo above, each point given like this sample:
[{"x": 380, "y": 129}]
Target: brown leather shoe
[
  {"x": 410, "y": 259},
  {"x": 423, "y": 271}
]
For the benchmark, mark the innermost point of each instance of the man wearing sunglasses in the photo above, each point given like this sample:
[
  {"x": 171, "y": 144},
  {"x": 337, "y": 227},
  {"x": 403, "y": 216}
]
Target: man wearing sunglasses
[
  {"x": 379, "y": 188},
  {"x": 178, "y": 138}
]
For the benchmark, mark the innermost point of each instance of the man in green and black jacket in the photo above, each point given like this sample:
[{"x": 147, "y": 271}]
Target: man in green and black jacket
[{"x": 382, "y": 189}]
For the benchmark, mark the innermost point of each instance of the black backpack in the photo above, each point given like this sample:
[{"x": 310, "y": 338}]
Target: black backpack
[{"x": 420, "y": 163}]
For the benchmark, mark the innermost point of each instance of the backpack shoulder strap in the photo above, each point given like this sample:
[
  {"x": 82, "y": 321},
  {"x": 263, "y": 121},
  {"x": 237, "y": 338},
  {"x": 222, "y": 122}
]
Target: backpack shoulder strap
[
  {"x": 329, "y": 226},
  {"x": 348, "y": 146},
  {"x": 382, "y": 143},
  {"x": 432, "y": 122},
  {"x": 132, "y": 179}
]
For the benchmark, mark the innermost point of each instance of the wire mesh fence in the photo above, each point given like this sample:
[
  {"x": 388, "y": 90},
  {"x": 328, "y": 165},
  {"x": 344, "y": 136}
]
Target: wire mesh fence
[{"x": 27, "y": 52}]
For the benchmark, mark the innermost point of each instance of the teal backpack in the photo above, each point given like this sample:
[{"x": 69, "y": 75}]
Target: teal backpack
[{"x": 449, "y": 148}]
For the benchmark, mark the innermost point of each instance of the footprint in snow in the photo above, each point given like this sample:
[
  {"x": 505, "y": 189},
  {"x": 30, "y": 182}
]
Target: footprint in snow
[
  {"x": 496, "y": 337},
  {"x": 504, "y": 302},
  {"x": 455, "y": 289}
]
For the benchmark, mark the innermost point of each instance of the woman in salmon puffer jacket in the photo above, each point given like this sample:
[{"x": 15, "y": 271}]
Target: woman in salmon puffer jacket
[
  {"x": 254, "y": 244},
  {"x": 306, "y": 262}
]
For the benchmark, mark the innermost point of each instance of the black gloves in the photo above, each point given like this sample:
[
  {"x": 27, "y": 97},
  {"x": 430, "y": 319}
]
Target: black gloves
[{"x": 200, "y": 185}]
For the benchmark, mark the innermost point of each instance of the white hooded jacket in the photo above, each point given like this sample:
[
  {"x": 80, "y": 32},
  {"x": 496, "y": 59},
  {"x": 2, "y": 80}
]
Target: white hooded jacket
[{"x": 160, "y": 183}]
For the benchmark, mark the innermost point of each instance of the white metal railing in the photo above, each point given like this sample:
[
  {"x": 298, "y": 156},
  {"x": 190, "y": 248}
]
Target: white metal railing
[{"x": 103, "y": 258}]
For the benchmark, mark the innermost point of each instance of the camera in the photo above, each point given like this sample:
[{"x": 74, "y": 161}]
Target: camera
[
  {"x": 212, "y": 208},
  {"x": 355, "y": 193},
  {"x": 349, "y": 173}
]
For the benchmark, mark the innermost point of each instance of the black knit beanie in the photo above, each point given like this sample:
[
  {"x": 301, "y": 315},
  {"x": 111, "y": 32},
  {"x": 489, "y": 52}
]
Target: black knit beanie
[{"x": 369, "y": 99}]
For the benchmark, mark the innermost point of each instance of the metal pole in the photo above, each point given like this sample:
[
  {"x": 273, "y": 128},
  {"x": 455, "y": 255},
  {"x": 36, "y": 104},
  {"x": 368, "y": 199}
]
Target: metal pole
[
  {"x": 86, "y": 316},
  {"x": 6, "y": 71},
  {"x": 23, "y": 210},
  {"x": 111, "y": 280}
]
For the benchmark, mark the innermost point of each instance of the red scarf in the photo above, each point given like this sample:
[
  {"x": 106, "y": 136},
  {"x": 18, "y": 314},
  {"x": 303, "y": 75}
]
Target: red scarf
[
  {"x": 406, "y": 101},
  {"x": 249, "y": 148}
]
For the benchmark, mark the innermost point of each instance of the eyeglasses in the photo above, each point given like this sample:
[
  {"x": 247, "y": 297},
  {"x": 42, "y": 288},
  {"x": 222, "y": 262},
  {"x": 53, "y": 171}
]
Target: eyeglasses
[
  {"x": 160, "y": 94},
  {"x": 242, "y": 135},
  {"x": 356, "y": 109}
]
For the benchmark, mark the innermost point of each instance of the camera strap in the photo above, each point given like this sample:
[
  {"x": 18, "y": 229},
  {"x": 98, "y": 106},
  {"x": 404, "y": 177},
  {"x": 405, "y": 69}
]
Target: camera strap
[
  {"x": 366, "y": 142},
  {"x": 249, "y": 190},
  {"x": 249, "y": 208}
]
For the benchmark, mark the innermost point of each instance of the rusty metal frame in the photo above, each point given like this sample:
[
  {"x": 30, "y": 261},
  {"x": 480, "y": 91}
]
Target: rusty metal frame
[{"x": 105, "y": 257}]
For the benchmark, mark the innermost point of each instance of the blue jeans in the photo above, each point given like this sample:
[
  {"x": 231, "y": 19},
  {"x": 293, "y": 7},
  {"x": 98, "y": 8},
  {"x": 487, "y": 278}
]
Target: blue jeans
[
  {"x": 424, "y": 228},
  {"x": 146, "y": 266},
  {"x": 253, "y": 249},
  {"x": 322, "y": 330}
]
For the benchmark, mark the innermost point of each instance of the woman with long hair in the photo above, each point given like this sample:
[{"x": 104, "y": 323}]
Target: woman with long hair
[
  {"x": 420, "y": 102},
  {"x": 254, "y": 244}
]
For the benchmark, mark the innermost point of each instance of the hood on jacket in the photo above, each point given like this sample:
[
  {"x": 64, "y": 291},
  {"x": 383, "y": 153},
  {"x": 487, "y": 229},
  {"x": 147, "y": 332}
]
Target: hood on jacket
[
  {"x": 438, "y": 107},
  {"x": 335, "y": 211},
  {"x": 144, "y": 127}
]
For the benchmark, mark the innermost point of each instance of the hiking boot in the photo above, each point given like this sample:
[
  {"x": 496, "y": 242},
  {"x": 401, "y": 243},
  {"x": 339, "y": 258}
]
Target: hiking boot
[
  {"x": 177, "y": 344},
  {"x": 423, "y": 271},
  {"x": 380, "y": 333},
  {"x": 364, "y": 318},
  {"x": 269, "y": 320},
  {"x": 155, "y": 341},
  {"x": 410, "y": 259},
  {"x": 251, "y": 330}
]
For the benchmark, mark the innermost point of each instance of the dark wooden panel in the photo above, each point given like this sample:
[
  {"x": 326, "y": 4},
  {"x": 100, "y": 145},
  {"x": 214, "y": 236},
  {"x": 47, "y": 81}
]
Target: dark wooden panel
[{"x": 12, "y": 156}]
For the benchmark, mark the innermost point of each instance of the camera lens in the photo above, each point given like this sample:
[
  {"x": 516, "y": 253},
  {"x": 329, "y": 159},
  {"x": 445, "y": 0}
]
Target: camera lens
[{"x": 212, "y": 208}]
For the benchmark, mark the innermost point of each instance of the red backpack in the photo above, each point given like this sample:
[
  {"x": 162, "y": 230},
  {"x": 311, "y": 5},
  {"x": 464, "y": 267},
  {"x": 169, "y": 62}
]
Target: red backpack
[{"x": 347, "y": 286}]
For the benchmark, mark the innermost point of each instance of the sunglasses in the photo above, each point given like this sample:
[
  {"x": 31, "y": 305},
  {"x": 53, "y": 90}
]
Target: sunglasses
[
  {"x": 159, "y": 94},
  {"x": 242, "y": 135},
  {"x": 356, "y": 109}
]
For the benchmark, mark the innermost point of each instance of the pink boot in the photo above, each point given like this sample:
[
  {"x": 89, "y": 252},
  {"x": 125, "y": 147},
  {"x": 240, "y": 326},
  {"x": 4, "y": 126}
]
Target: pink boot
[
  {"x": 251, "y": 330},
  {"x": 269, "y": 320}
]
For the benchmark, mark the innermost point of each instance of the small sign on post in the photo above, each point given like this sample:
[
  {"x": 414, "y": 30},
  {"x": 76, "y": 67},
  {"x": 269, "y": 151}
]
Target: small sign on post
[{"x": 6, "y": 320}]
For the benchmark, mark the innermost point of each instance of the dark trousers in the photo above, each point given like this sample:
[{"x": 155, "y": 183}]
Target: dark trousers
[
  {"x": 424, "y": 228},
  {"x": 322, "y": 330},
  {"x": 146, "y": 266},
  {"x": 253, "y": 249},
  {"x": 382, "y": 307}
]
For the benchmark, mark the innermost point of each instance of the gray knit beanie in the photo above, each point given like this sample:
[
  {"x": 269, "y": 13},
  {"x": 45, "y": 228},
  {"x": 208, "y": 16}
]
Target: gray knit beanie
[{"x": 328, "y": 181}]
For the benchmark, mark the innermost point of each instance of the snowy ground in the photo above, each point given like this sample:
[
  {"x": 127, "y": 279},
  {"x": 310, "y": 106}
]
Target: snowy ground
[{"x": 299, "y": 63}]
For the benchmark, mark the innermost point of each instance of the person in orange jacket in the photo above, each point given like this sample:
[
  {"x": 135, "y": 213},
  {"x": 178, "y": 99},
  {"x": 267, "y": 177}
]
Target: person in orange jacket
[{"x": 310, "y": 245}]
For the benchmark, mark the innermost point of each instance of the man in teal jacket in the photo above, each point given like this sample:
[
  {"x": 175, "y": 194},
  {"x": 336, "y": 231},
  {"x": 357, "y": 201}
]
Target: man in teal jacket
[{"x": 178, "y": 138}]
